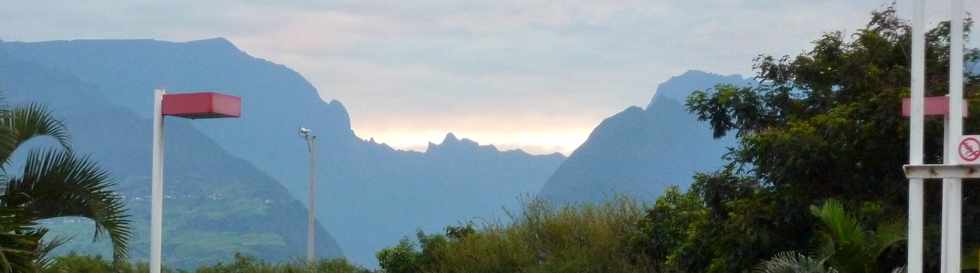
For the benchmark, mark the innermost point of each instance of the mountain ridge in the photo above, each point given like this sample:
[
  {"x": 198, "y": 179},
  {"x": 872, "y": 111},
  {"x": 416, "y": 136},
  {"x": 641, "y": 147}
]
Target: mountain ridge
[
  {"x": 640, "y": 151},
  {"x": 196, "y": 197},
  {"x": 365, "y": 187}
]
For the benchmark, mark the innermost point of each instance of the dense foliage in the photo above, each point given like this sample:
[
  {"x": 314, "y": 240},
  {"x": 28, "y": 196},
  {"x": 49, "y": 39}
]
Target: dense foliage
[
  {"x": 543, "y": 238},
  {"x": 823, "y": 124}
]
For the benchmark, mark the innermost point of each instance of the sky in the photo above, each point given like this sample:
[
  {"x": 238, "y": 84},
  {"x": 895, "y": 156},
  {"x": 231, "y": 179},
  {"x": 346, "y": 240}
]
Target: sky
[{"x": 532, "y": 74}]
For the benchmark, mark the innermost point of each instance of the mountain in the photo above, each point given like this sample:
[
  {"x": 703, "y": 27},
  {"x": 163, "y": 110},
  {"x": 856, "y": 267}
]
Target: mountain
[
  {"x": 639, "y": 152},
  {"x": 216, "y": 204},
  {"x": 369, "y": 194}
]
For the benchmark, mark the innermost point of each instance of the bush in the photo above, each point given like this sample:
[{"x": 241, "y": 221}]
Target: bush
[
  {"x": 73, "y": 263},
  {"x": 247, "y": 264},
  {"x": 543, "y": 238}
]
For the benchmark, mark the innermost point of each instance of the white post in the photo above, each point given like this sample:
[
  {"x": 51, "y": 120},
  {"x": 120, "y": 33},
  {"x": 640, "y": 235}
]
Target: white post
[
  {"x": 311, "y": 228},
  {"x": 944, "y": 235},
  {"x": 916, "y": 118},
  {"x": 156, "y": 211},
  {"x": 953, "y": 193}
]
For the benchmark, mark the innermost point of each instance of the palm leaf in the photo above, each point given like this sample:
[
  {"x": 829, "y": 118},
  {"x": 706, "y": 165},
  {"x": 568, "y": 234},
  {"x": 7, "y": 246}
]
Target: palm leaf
[
  {"x": 849, "y": 240},
  {"x": 21, "y": 124},
  {"x": 18, "y": 241},
  {"x": 888, "y": 235},
  {"x": 792, "y": 262},
  {"x": 44, "y": 259},
  {"x": 844, "y": 229},
  {"x": 59, "y": 184}
]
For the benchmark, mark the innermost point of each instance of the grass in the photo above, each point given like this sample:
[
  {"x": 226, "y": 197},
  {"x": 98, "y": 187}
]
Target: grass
[{"x": 541, "y": 238}]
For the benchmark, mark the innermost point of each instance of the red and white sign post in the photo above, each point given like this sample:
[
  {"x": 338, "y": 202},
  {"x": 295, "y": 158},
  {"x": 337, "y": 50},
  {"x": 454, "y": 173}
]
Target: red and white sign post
[
  {"x": 186, "y": 105},
  {"x": 960, "y": 153}
]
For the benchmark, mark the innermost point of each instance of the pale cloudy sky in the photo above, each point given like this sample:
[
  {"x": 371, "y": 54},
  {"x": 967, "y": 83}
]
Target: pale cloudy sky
[{"x": 533, "y": 74}]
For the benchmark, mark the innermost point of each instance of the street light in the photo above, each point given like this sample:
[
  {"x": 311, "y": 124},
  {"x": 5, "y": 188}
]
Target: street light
[
  {"x": 310, "y": 237},
  {"x": 187, "y": 105}
]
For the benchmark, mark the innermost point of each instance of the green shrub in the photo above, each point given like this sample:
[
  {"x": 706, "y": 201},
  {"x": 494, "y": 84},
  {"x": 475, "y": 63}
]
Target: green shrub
[
  {"x": 248, "y": 264},
  {"x": 542, "y": 238},
  {"x": 73, "y": 263}
]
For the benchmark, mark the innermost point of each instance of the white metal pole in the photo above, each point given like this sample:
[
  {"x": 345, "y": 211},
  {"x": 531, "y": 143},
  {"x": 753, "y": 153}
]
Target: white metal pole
[
  {"x": 916, "y": 143},
  {"x": 156, "y": 210},
  {"x": 955, "y": 189},
  {"x": 944, "y": 235},
  {"x": 311, "y": 228}
]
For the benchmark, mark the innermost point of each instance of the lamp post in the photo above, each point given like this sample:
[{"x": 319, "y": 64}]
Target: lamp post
[
  {"x": 186, "y": 105},
  {"x": 311, "y": 226}
]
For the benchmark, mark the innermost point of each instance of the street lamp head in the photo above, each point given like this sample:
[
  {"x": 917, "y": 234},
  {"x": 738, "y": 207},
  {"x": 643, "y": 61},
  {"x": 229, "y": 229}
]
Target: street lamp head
[{"x": 304, "y": 132}]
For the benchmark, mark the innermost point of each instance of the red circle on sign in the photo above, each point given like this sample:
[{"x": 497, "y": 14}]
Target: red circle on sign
[{"x": 969, "y": 149}]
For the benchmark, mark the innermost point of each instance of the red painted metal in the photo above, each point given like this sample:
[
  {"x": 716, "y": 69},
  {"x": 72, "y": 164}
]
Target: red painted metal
[
  {"x": 934, "y": 106},
  {"x": 202, "y": 105}
]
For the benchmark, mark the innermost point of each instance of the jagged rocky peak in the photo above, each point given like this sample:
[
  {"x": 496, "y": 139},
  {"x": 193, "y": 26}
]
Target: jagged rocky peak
[{"x": 453, "y": 143}]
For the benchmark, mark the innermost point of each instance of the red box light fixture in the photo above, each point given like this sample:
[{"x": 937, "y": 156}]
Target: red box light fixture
[{"x": 202, "y": 105}]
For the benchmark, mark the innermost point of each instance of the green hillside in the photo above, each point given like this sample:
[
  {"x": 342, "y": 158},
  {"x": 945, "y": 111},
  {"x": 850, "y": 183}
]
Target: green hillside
[{"x": 216, "y": 204}]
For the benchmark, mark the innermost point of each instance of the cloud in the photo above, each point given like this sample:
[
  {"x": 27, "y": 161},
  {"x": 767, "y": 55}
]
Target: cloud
[{"x": 412, "y": 68}]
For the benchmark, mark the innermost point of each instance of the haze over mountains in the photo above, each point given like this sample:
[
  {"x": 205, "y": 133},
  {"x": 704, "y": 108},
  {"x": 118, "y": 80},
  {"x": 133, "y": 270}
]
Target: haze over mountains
[
  {"x": 217, "y": 203},
  {"x": 639, "y": 152},
  {"x": 370, "y": 195},
  {"x": 234, "y": 184}
]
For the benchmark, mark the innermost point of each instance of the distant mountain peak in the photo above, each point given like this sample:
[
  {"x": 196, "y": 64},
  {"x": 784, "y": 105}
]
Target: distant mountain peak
[
  {"x": 640, "y": 152},
  {"x": 696, "y": 73},
  {"x": 218, "y": 43},
  {"x": 450, "y": 137},
  {"x": 452, "y": 143},
  {"x": 680, "y": 86}
]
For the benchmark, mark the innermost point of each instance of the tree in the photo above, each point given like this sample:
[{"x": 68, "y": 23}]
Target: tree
[
  {"x": 823, "y": 124},
  {"x": 672, "y": 225},
  {"x": 53, "y": 183},
  {"x": 403, "y": 258}
]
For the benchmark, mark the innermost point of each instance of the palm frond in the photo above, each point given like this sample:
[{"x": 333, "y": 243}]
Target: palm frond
[
  {"x": 888, "y": 235},
  {"x": 792, "y": 262},
  {"x": 57, "y": 184},
  {"x": 18, "y": 241},
  {"x": 44, "y": 259},
  {"x": 21, "y": 124},
  {"x": 851, "y": 243},
  {"x": 844, "y": 228}
]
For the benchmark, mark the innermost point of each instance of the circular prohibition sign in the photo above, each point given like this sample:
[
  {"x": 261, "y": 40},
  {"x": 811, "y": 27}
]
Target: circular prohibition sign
[{"x": 969, "y": 149}]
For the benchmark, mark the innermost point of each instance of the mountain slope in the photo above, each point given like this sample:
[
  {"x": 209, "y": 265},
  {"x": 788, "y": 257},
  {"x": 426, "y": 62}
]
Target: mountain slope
[
  {"x": 216, "y": 204},
  {"x": 370, "y": 195},
  {"x": 639, "y": 152}
]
